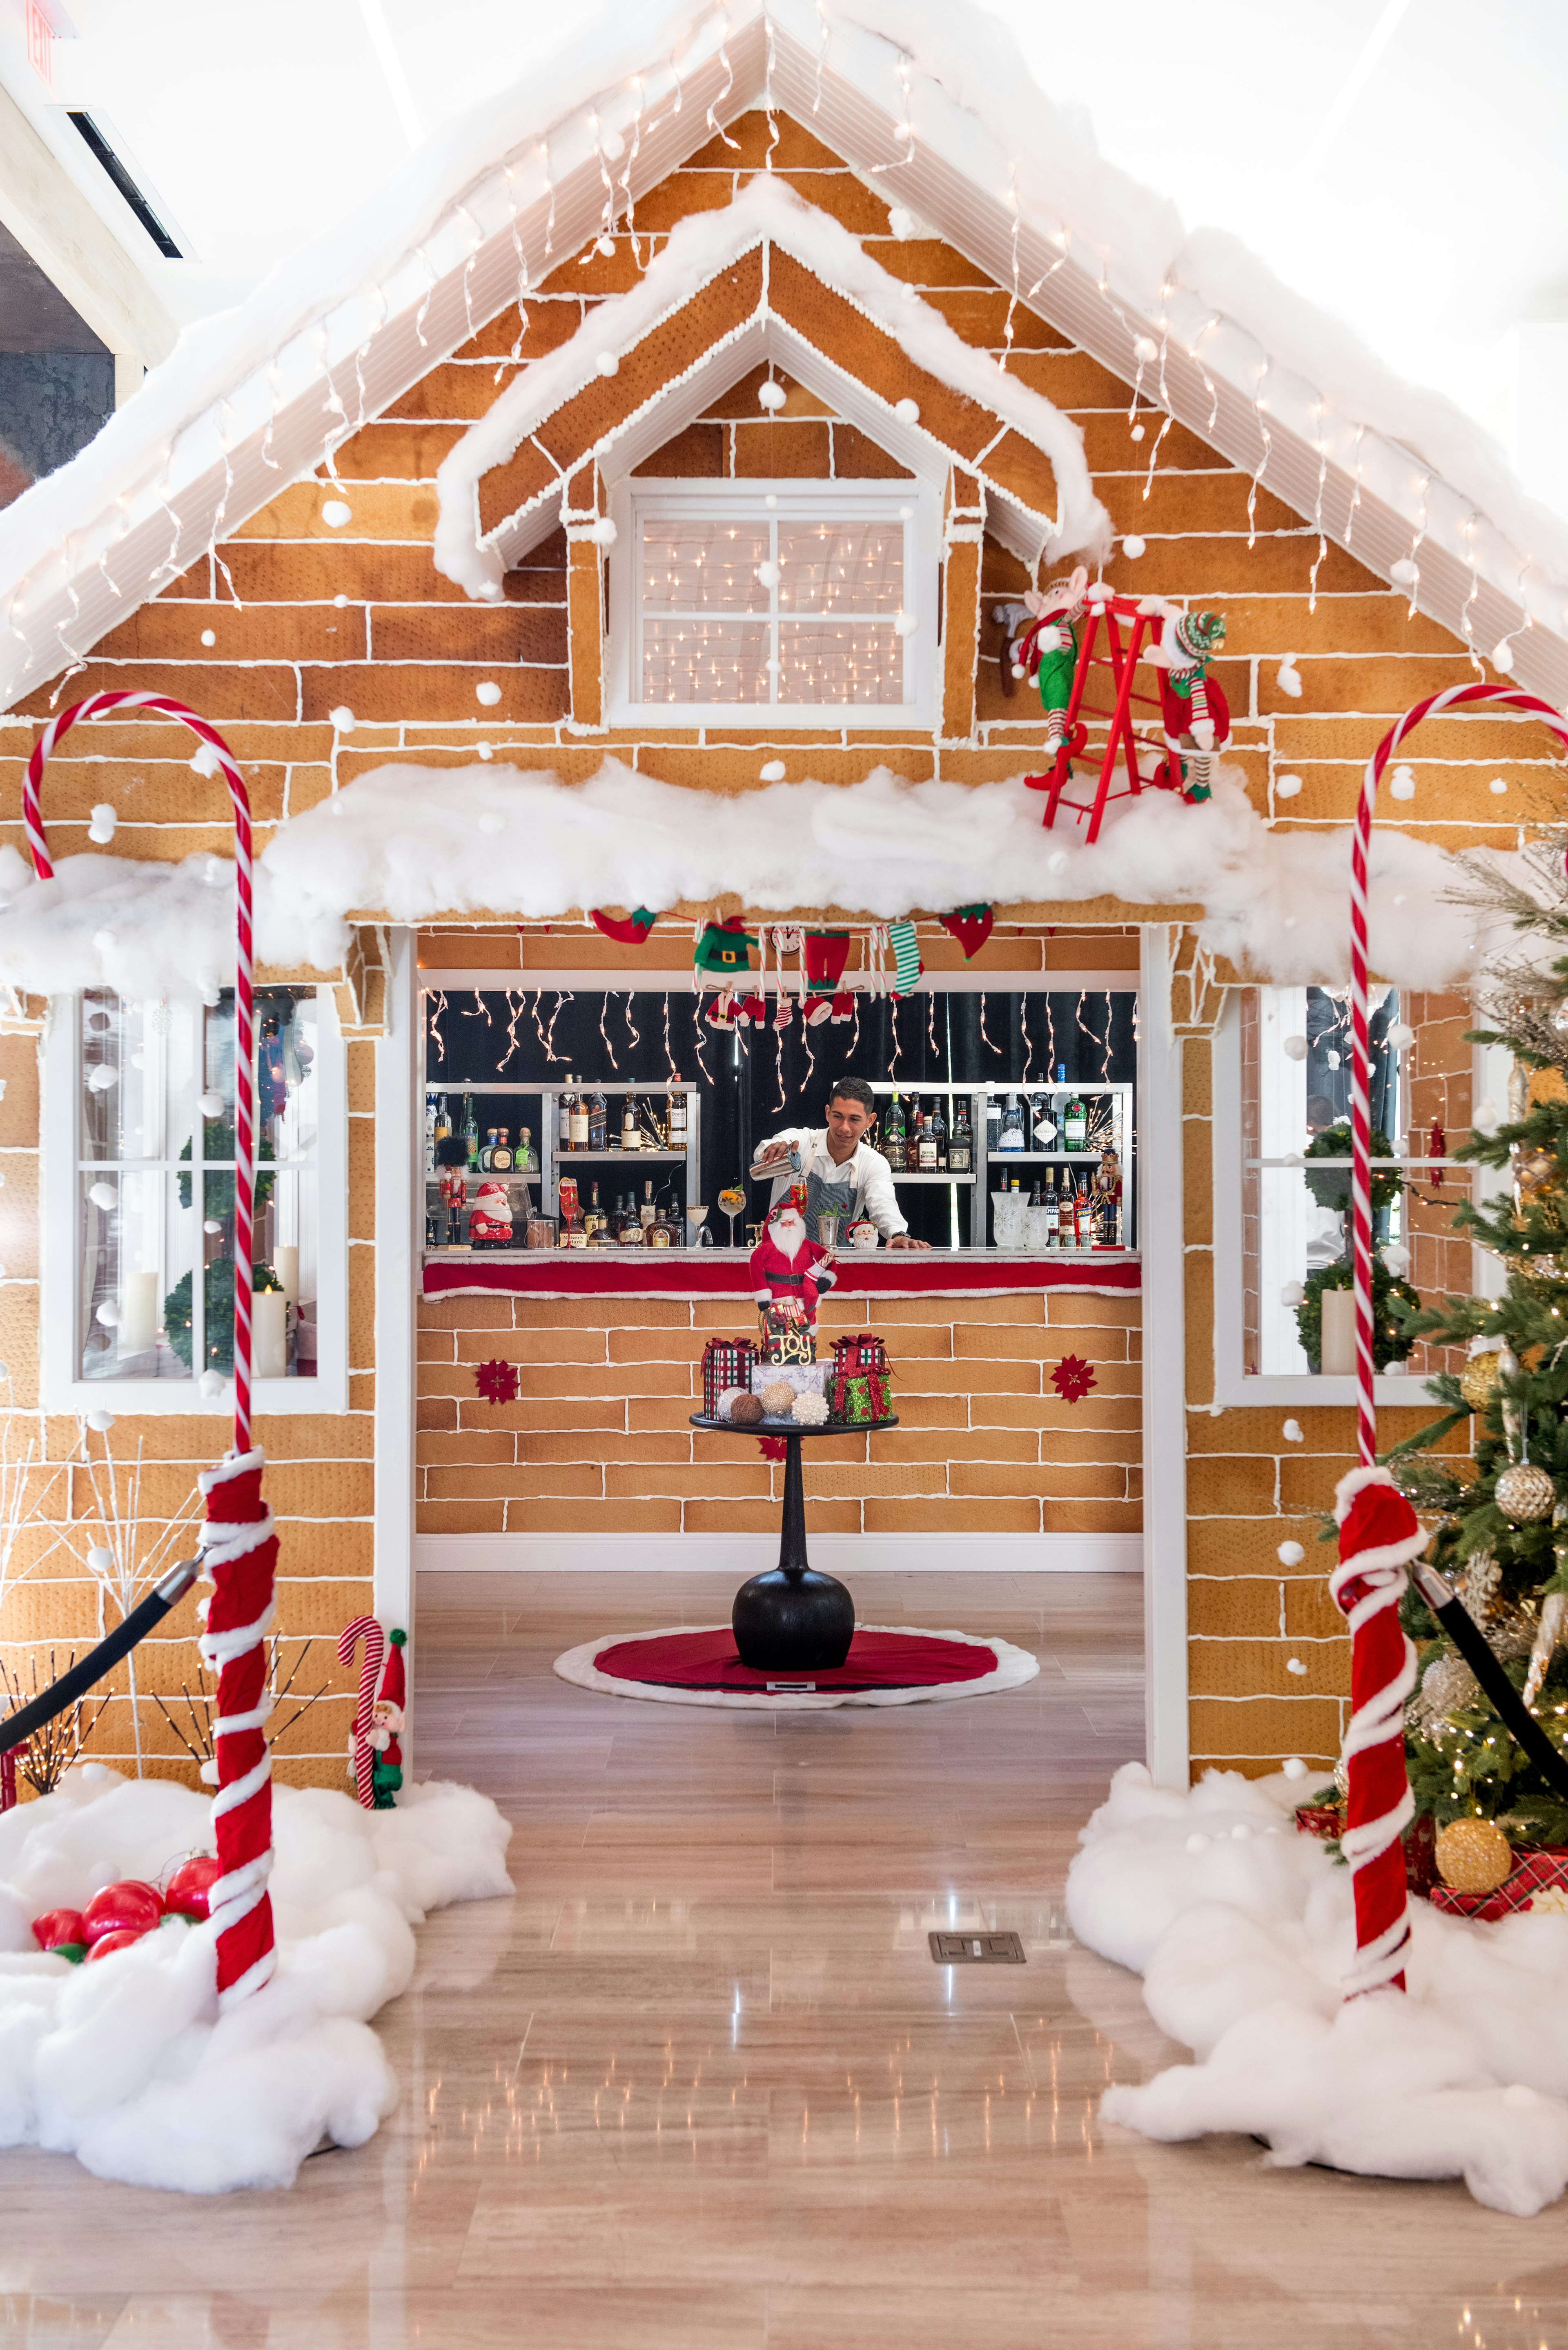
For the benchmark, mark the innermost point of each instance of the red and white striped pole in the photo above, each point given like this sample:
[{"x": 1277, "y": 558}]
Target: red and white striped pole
[
  {"x": 1379, "y": 1532},
  {"x": 239, "y": 1548}
]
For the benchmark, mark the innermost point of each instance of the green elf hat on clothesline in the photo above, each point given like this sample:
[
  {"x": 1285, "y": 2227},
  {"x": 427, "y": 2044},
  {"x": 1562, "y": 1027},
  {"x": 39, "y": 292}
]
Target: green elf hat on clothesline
[
  {"x": 723, "y": 948},
  {"x": 971, "y": 925},
  {"x": 626, "y": 930}
]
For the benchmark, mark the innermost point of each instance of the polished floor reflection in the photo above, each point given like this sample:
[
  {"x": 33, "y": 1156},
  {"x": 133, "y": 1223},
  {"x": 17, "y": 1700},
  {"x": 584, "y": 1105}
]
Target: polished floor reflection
[{"x": 701, "y": 2083}]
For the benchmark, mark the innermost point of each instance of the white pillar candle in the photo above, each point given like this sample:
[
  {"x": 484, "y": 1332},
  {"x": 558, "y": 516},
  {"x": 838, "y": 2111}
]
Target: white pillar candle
[
  {"x": 286, "y": 1264},
  {"x": 138, "y": 1314},
  {"x": 269, "y": 1334},
  {"x": 1338, "y": 1355}
]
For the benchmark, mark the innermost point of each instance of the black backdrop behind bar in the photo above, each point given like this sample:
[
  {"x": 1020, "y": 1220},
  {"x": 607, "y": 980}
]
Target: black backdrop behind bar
[{"x": 754, "y": 1081}]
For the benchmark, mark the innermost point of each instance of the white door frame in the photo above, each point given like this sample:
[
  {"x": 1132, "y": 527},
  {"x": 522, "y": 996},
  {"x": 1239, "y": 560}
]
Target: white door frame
[
  {"x": 1161, "y": 1240},
  {"x": 400, "y": 1136}
]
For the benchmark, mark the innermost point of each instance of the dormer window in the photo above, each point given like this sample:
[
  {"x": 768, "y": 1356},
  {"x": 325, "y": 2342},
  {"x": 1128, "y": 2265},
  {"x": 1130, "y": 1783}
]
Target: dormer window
[{"x": 778, "y": 600}]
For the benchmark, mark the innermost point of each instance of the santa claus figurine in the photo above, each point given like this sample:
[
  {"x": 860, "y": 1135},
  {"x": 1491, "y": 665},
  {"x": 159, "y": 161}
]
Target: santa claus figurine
[
  {"x": 789, "y": 1273},
  {"x": 490, "y": 1224}
]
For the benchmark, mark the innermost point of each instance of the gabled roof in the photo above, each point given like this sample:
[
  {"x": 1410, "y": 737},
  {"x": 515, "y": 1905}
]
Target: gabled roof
[
  {"x": 782, "y": 280},
  {"x": 931, "y": 102}
]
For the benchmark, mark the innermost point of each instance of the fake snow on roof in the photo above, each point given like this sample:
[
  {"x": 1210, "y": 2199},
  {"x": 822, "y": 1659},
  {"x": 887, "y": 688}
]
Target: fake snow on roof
[
  {"x": 766, "y": 213},
  {"x": 931, "y": 103},
  {"x": 411, "y": 846}
]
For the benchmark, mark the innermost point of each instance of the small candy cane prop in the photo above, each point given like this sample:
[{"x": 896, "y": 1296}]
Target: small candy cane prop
[
  {"x": 366, "y": 1628},
  {"x": 1379, "y": 1532},
  {"x": 239, "y": 1548}
]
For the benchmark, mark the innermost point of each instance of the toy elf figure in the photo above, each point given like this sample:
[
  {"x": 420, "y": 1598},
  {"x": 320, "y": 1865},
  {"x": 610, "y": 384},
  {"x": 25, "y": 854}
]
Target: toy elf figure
[
  {"x": 1049, "y": 646},
  {"x": 387, "y": 1718},
  {"x": 1194, "y": 712}
]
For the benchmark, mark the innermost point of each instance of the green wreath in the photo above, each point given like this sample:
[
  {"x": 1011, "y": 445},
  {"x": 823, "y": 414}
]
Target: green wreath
[
  {"x": 1390, "y": 1342},
  {"x": 1331, "y": 1189}
]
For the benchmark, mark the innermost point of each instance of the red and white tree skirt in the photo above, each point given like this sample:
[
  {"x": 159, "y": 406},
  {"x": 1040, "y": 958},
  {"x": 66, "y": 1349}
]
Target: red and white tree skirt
[{"x": 886, "y": 1664}]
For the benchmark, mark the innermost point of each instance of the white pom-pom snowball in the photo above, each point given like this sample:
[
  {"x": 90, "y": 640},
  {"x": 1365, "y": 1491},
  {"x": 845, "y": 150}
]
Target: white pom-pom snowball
[
  {"x": 99, "y": 1078},
  {"x": 100, "y": 1422},
  {"x": 603, "y": 533},
  {"x": 1287, "y": 786},
  {"x": 604, "y": 244},
  {"x": 810, "y": 1410},
  {"x": 1291, "y": 1432},
  {"x": 335, "y": 513},
  {"x": 1058, "y": 861},
  {"x": 206, "y": 762},
  {"x": 904, "y": 625},
  {"x": 772, "y": 771},
  {"x": 768, "y": 573},
  {"x": 908, "y": 412},
  {"x": 1294, "y": 1665},
  {"x": 211, "y": 1225},
  {"x": 1288, "y": 677},
  {"x": 211, "y": 1105},
  {"x": 484, "y": 749},
  {"x": 101, "y": 825},
  {"x": 211, "y": 1384},
  {"x": 1294, "y": 1049},
  {"x": 1401, "y": 1035},
  {"x": 343, "y": 718},
  {"x": 1486, "y": 1118},
  {"x": 340, "y": 603},
  {"x": 608, "y": 363},
  {"x": 771, "y": 395},
  {"x": 1290, "y": 1554},
  {"x": 1136, "y": 432},
  {"x": 1404, "y": 571},
  {"x": 1497, "y": 786},
  {"x": 902, "y": 223},
  {"x": 1132, "y": 545},
  {"x": 1403, "y": 786},
  {"x": 488, "y": 693},
  {"x": 102, "y": 1195},
  {"x": 1502, "y": 656},
  {"x": 208, "y": 636},
  {"x": 1397, "y": 1257},
  {"x": 99, "y": 1560},
  {"x": 1292, "y": 1293},
  {"x": 1198, "y": 1841},
  {"x": 1293, "y": 1767},
  {"x": 1144, "y": 348},
  {"x": 108, "y": 1313}
]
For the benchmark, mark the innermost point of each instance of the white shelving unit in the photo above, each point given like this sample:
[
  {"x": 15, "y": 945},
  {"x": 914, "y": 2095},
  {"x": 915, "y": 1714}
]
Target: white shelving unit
[
  {"x": 987, "y": 1161},
  {"x": 553, "y": 1162}
]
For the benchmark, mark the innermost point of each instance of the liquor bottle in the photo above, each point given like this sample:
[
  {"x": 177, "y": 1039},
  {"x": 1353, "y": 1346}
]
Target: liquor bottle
[
  {"x": 594, "y": 1215},
  {"x": 993, "y": 1123},
  {"x": 501, "y": 1157},
  {"x": 893, "y": 1143},
  {"x": 1084, "y": 1214},
  {"x": 677, "y": 1120},
  {"x": 580, "y": 1122},
  {"x": 429, "y": 1134},
  {"x": 940, "y": 1135},
  {"x": 1075, "y": 1124},
  {"x": 443, "y": 1119},
  {"x": 631, "y": 1223},
  {"x": 1012, "y": 1135},
  {"x": 527, "y": 1159},
  {"x": 961, "y": 1150},
  {"x": 486, "y": 1154},
  {"x": 1035, "y": 1198},
  {"x": 598, "y": 1124},
  {"x": 564, "y": 1108},
  {"x": 469, "y": 1132},
  {"x": 630, "y": 1132},
  {"x": 1053, "y": 1228},
  {"x": 577, "y": 1229},
  {"x": 661, "y": 1232},
  {"x": 647, "y": 1211},
  {"x": 926, "y": 1146}
]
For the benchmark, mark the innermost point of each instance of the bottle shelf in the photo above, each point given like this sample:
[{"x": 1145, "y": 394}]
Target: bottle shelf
[
  {"x": 926, "y": 1176},
  {"x": 564, "y": 1159},
  {"x": 1044, "y": 1157}
]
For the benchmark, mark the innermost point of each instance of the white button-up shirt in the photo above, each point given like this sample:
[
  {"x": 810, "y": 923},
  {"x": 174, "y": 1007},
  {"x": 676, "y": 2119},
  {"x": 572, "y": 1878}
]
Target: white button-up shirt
[{"x": 867, "y": 1168}]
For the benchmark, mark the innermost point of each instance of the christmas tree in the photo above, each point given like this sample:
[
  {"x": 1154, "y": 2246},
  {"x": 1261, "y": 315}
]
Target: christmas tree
[{"x": 1501, "y": 1519}]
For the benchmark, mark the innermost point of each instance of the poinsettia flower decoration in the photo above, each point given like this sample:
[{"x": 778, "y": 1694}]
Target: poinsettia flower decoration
[
  {"x": 497, "y": 1381},
  {"x": 1073, "y": 1377}
]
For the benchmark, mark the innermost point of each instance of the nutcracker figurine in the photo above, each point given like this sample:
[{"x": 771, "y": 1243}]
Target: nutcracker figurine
[{"x": 1108, "y": 1191}]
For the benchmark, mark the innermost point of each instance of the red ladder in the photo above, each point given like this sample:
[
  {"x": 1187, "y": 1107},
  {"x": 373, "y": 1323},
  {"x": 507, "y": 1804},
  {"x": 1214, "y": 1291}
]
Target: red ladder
[{"x": 1126, "y": 628}]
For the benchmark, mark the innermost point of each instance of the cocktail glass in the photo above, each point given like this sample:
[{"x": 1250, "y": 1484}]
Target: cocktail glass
[
  {"x": 696, "y": 1217},
  {"x": 732, "y": 1200}
]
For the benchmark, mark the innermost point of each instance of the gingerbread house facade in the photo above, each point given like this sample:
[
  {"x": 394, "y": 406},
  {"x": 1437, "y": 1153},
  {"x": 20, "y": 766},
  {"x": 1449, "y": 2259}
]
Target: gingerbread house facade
[{"x": 385, "y": 533}]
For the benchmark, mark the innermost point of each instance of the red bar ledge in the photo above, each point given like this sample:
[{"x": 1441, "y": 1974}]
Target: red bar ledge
[{"x": 705, "y": 1274}]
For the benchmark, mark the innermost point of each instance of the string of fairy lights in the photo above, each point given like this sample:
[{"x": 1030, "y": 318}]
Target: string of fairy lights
[{"x": 615, "y": 127}]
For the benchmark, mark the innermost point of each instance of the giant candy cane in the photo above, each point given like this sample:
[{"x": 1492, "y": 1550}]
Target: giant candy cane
[
  {"x": 1379, "y": 1534},
  {"x": 239, "y": 1548},
  {"x": 366, "y": 1628}
]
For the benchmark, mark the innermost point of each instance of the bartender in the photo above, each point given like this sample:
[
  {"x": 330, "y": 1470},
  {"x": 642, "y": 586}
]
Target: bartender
[{"x": 840, "y": 1171}]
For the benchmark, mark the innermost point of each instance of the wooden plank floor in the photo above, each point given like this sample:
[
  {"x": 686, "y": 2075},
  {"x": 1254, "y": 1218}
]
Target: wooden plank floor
[{"x": 700, "y": 2083}]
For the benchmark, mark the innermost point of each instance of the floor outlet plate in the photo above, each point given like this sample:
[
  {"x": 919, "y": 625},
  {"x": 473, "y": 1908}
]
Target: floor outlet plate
[{"x": 977, "y": 1949}]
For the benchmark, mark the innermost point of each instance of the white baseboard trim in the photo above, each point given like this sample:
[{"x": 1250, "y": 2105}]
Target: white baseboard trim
[{"x": 744, "y": 1555}]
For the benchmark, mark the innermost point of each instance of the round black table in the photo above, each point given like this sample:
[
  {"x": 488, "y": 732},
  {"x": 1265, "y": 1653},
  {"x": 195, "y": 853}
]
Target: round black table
[{"x": 792, "y": 1619}]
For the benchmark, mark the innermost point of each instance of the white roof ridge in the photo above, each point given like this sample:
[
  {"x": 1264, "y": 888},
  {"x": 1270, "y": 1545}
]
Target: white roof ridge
[{"x": 1281, "y": 391}]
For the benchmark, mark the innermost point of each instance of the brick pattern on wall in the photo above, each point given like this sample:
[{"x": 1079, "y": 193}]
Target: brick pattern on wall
[{"x": 599, "y": 1441}]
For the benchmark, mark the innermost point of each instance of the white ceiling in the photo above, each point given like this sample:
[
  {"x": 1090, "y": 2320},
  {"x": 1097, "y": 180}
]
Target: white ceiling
[{"x": 1433, "y": 217}]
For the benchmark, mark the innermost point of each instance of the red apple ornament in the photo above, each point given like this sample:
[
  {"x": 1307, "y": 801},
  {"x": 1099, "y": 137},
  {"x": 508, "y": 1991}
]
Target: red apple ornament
[
  {"x": 128, "y": 1907},
  {"x": 189, "y": 1890},
  {"x": 61, "y": 1930}
]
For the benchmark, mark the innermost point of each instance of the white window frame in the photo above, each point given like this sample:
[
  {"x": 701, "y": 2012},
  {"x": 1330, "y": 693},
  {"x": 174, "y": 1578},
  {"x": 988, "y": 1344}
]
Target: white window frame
[
  {"x": 1233, "y": 1386},
  {"x": 634, "y": 500},
  {"x": 60, "y": 1254}
]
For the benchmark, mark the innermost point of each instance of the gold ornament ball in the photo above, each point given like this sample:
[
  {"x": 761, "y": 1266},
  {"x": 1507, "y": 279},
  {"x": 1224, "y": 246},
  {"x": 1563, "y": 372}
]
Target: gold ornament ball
[
  {"x": 1473, "y": 1855},
  {"x": 1477, "y": 1380},
  {"x": 778, "y": 1399},
  {"x": 1525, "y": 1492}
]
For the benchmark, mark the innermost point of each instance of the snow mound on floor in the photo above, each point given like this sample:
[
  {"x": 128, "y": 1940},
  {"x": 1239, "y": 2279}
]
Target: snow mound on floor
[
  {"x": 1243, "y": 1931},
  {"x": 128, "y": 2064}
]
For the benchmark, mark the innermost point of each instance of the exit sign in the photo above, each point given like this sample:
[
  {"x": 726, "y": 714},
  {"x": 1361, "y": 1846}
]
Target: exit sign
[{"x": 40, "y": 43}]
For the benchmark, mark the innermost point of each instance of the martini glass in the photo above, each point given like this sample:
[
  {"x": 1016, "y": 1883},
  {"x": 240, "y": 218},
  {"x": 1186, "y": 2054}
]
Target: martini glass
[
  {"x": 732, "y": 1200},
  {"x": 696, "y": 1217}
]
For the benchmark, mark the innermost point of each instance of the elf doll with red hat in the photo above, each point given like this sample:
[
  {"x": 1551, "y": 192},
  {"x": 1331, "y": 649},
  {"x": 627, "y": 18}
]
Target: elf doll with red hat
[{"x": 387, "y": 1718}]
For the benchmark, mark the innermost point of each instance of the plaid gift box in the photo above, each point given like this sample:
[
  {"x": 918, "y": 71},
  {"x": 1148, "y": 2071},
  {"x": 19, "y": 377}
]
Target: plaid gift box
[
  {"x": 726, "y": 1363},
  {"x": 1540, "y": 1882},
  {"x": 1324, "y": 1820},
  {"x": 858, "y": 1387}
]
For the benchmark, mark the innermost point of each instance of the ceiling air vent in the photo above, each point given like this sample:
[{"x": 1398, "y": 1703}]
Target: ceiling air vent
[{"x": 93, "y": 139}]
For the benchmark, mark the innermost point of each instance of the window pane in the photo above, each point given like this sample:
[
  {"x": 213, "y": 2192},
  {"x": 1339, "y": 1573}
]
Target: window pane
[
  {"x": 705, "y": 660},
  {"x": 841, "y": 566},
  {"x": 136, "y": 1270},
  {"x": 840, "y": 661},
  {"x": 703, "y": 566}
]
